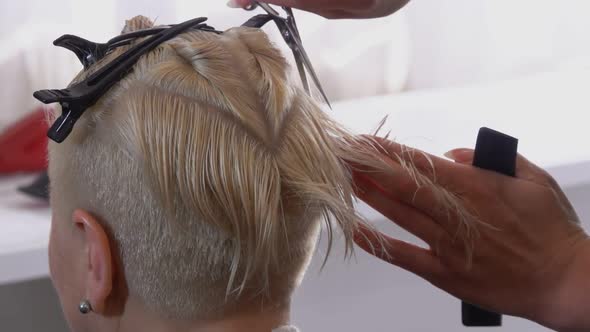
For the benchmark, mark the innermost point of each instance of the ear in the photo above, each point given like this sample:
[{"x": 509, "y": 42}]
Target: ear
[{"x": 99, "y": 279}]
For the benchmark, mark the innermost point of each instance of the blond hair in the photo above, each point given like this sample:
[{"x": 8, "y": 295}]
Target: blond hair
[{"x": 212, "y": 172}]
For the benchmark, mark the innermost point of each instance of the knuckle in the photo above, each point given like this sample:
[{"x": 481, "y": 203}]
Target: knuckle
[
  {"x": 548, "y": 179},
  {"x": 548, "y": 194}
]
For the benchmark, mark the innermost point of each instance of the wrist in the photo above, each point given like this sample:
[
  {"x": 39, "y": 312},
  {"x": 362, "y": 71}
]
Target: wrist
[{"x": 567, "y": 308}]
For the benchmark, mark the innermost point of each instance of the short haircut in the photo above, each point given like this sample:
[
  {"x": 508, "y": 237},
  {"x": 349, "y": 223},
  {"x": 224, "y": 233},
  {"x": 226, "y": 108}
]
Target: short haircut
[{"x": 211, "y": 171}]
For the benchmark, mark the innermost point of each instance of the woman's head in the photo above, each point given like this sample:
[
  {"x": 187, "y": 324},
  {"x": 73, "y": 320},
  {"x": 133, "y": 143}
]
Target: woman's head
[{"x": 197, "y": 185}]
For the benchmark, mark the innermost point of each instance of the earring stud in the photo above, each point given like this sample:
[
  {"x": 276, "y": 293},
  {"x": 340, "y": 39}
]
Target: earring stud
[{"x": 85, "y": 307}]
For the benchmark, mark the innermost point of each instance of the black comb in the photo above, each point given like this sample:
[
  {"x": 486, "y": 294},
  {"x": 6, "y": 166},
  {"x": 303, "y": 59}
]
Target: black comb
[{"x": 496, "y": 152}]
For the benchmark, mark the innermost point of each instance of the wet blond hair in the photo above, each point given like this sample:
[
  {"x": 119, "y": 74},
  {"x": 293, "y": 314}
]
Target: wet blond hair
[{"x": 212, "y": 173}]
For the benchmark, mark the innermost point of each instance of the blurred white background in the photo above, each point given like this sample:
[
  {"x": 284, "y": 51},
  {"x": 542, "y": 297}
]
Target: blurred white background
[
  {"x": 430, "y": 44},
  {"x": 432, "y": 64}
]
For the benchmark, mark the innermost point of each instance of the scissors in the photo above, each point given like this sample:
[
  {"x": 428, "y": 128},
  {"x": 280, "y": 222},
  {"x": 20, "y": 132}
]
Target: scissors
[{"x": 290, "y": 33}]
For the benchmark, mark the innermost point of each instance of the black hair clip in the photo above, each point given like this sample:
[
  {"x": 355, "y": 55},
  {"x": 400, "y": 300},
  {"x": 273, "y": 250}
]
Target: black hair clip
[
  {"x": 75, "y": 100},
  {"x": 90, "y": 52},
  {"x": 290, "y": 33},
  {"x": 79, "y": 97}
]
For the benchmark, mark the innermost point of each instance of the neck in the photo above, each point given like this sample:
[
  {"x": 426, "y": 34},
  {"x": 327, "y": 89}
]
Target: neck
[{"x": 136, "y": 319}]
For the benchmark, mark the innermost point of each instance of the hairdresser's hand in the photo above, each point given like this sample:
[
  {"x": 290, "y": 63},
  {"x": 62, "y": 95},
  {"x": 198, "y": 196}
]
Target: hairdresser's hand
[
  {"x": 338, "y": 8},
  {"x": 532, "y": 260}
]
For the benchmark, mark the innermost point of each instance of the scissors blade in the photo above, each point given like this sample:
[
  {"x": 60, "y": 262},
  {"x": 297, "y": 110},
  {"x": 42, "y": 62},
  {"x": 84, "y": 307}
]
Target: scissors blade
[
  {"x": 301, "y": 68},
  {"x": 293, "y": 39},
  {"x": 304, "y": 59},
  {"x": 301, "y": 56},
  {"x": 267, "y": 8}
]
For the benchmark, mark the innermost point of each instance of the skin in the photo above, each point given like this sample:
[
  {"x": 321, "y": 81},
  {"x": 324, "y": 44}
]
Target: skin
[
  {"x": 534, "y": 260},
  {"x": 84, "y": 267},
  {"x": 340, "y": 8}
]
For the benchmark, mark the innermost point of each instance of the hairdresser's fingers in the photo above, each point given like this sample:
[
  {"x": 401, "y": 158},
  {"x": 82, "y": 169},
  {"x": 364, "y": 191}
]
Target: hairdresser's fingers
[
  {"x": 419, "y": 261},
  {"x": 398, "y": 183},
  {"x": 439, "y": 170},
  {"x": 461, "y": 155},
  {"x": 525, "y": 169},
  {"x": 337, "y": 8},
  {"x": 403, "y": 215},
  {"x": 315, "y": 5}
]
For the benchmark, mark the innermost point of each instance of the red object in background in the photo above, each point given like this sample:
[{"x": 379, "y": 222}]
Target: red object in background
[{"x": 23, "y": 145}]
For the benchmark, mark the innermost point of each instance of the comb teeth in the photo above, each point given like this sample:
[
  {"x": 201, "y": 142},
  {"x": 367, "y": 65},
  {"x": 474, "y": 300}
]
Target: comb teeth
[{"x": 50, "y": 96}]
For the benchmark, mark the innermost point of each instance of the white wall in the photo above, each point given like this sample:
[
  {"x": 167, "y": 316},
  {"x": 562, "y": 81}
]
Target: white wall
[{"x": 461, "y": 42}]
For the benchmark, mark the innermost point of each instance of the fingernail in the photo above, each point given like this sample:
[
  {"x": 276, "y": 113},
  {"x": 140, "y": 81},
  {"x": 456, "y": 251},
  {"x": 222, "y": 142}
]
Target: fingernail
[
  {"x": 450, "y": 155},
  {"x": 234, "y": 4},
  {"x": 460, "y": 154}
]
